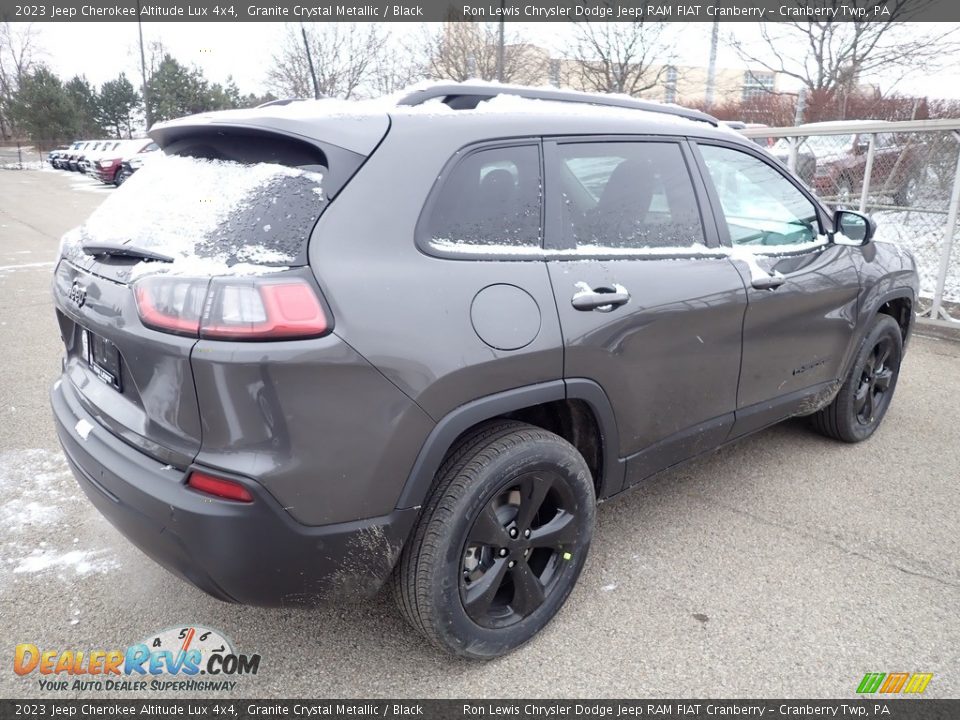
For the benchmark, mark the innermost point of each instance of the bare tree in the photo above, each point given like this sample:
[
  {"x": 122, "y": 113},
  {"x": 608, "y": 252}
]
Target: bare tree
[
  {"x": 343, "y": 56},
  {"x": 461, "y": 50},
  {"x": 833, "y": 56},
  {"x": 621, "y": 57},
  {"x": 19, "y": 53},
  {"x": 399, "y": 62}
]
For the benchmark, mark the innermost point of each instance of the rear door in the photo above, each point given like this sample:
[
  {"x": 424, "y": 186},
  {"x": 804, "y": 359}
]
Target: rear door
[
  {"x": 801, "y": 288},
  {"x": 648, "y": 308}
]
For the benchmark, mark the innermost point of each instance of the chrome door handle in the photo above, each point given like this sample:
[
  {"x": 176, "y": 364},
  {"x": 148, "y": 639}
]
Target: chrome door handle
[
  {"x": 602, "y": 299},
  {"x": 770, "y": 282}
]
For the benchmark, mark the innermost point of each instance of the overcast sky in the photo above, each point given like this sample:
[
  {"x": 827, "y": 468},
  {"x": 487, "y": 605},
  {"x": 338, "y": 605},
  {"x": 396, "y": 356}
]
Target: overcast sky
[{"x": 102, "y": 50}]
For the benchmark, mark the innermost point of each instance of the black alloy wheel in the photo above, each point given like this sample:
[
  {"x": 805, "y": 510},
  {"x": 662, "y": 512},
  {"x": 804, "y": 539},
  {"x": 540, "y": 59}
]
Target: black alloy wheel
[
  {"x": 518, "y": 549},
  {"x": 500, "y": 542},
  {"x": 864, "y": 397},
  {"x": 872, "y": 395}
]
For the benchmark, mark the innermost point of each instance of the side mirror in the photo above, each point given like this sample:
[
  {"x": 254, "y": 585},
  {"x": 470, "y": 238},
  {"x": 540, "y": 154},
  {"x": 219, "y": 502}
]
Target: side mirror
[{"x": 852, "y": 228}]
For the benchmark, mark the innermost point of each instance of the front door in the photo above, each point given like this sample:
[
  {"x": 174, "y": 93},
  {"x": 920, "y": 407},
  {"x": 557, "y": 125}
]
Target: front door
[
  {"x": 801, "y": 288},
  {"x": 648, "y": 306}
]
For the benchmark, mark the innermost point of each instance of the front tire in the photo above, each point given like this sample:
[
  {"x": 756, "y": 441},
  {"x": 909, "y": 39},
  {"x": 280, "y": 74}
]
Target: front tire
[
  {"x": 500, "y": 543},
  {"x": 860, "y": 405}
]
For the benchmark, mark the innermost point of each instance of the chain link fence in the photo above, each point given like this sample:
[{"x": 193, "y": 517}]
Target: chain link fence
[{"x": 906, "y": 175}]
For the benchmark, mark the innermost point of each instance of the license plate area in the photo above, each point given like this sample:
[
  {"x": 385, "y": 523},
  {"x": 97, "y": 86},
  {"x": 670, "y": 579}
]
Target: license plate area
[{"x": 102, "y": 356}]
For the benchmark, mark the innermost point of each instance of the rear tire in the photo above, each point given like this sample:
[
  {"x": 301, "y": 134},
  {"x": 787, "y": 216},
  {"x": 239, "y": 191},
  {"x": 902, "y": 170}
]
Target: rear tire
[
  {"x": 858, "y": 409},
  {"x": 500, "y": 543}
]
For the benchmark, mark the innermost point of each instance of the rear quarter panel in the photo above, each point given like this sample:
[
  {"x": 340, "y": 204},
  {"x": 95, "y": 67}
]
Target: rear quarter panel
[{"x": 409, "y": 313}]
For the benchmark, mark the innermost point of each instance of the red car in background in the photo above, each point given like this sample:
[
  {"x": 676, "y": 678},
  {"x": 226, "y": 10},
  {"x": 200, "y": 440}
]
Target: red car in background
[
  {"x": 839, "y": 163},
  {"x": 108, "y": 168}
]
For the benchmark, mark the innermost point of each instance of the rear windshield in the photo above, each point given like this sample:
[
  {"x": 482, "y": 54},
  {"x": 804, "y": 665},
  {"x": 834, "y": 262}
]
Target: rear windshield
[{"x": 210, "y": 215}]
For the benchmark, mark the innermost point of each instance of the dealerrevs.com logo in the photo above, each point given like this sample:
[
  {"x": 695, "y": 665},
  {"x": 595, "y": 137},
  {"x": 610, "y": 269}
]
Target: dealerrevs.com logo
[{"x": 187, "y": 658}]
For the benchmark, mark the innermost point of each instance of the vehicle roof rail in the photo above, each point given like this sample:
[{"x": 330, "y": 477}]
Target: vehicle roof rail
[
  {"x": 466, "y": 96},
  {"x": 281, "y": 101}
]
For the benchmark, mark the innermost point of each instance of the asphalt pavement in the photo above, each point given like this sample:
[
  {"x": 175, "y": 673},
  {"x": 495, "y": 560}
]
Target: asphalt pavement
[{"x": 786, "y": 565}]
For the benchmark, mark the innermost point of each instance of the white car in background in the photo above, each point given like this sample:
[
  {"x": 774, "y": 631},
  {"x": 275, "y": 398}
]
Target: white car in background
[{"x": 88, "y": 162}]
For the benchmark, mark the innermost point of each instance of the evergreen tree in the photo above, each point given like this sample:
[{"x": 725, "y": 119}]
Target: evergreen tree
[
  {"x": 176, "y": 90},
  {"x": 83, "y": 97},
  {"x": 118, "y": 101},
  {"x": 44, "y": 109}
]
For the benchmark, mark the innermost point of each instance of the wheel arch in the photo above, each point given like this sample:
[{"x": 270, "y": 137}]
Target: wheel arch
[
  {"x": 577, "y": 409},
  {"x": 898, "y": 303}
]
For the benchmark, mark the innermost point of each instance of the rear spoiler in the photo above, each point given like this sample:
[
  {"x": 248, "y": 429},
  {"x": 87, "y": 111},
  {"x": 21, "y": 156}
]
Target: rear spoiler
[{"x": 359, "y": 133}]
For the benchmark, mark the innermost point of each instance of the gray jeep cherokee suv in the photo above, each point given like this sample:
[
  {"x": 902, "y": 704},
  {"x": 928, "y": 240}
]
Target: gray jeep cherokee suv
[{"x": 318, "y": 347}]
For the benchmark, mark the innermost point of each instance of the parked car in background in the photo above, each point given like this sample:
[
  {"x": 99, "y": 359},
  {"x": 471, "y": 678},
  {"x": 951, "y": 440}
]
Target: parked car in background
[
  {"x": 53, "y": 157},
  {"x": 110, "y": 164},
  {"x": 89, "y": 150},
  {"x": 73, "y": 157},
  {"x": 88, "y": 165},
  {"x": 806, "y": 162},
  {"x": 281, "y": 395},
  {"x": 63, "y": 157},
  {"x": 740, "y": 125},
  {"x": 130, "y": 165},
  {"x": 840, "y": 161}
]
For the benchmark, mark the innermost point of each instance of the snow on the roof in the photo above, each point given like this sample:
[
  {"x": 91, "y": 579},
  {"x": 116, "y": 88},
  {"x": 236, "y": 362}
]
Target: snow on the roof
[{"x": 505, "y": 103}]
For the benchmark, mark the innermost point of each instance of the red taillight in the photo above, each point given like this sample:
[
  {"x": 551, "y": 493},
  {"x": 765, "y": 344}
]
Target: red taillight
[
  {"x": 258, "y": 310},
  {"x": 171, "y": 304},
  {"x": 227, "y": 489},
  {"x": 232, "y": 308}
]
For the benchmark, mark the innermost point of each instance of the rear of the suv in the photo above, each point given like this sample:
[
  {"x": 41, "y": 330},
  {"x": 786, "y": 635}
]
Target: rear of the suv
[{"x": 206, "y": 405}]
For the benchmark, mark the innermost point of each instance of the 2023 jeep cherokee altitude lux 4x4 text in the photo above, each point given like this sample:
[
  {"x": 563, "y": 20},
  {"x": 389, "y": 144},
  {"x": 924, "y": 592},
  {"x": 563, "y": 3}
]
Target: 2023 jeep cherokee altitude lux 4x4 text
[{"x": 322, "y": 346}]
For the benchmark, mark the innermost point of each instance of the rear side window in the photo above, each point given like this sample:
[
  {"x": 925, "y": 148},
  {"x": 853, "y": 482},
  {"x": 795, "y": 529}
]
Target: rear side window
[
  {"x": 627, "y": 195},
  {"x": 490, "y": 201}
]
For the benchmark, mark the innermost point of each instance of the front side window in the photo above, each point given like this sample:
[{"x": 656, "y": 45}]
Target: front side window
[
  {"x": 627, "y": 196},
  {"x": 760, "y": 205},
  {"x": 490, "y": 201}
]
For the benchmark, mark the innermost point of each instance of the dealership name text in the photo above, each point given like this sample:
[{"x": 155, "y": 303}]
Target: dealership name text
[
  {"x": 681, "y": 12},
  {"x": 604, "y": 11}
]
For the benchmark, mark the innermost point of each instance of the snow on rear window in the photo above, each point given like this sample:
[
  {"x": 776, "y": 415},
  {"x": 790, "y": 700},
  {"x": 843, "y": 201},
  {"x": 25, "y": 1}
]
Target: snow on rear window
[{"x": 223, "y": 214}]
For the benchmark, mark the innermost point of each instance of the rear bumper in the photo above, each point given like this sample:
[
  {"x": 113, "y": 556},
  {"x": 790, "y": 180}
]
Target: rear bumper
[{"x": 251, "y": 553}]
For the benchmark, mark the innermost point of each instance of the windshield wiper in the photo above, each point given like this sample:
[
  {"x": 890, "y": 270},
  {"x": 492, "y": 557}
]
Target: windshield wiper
[{"x": 121, "y": 250}]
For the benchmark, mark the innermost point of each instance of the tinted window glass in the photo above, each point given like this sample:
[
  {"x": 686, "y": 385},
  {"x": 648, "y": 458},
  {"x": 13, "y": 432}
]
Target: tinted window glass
[
  {"x": 627, "y": 196},
  {"x": 209, "y": 215},
  {"x": 760, "y": 205},
  {"x": 491, "y": 198}
]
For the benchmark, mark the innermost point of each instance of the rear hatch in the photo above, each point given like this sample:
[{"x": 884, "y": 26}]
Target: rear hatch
[{"x": 226, "y": 200}]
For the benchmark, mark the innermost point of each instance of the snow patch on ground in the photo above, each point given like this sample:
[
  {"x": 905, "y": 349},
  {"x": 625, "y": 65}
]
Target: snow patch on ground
[
  {"x": 26, "y": 165},
  {"x": 39, "y": 497},
  {"x": 79, "y": 562}
]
